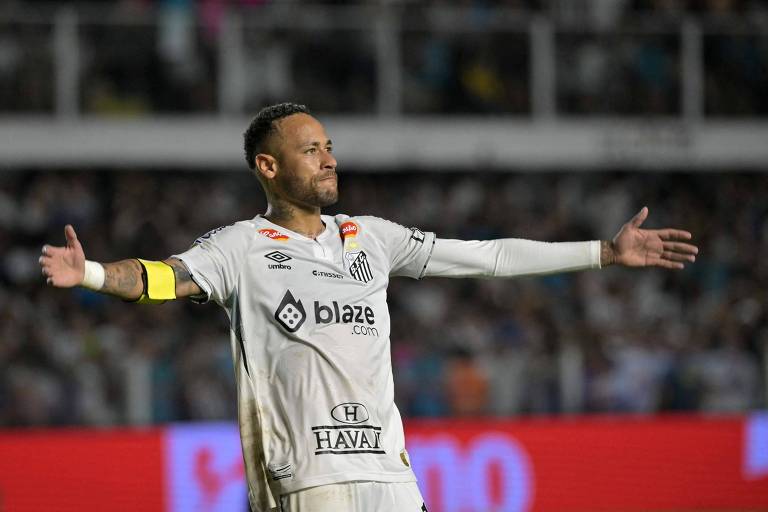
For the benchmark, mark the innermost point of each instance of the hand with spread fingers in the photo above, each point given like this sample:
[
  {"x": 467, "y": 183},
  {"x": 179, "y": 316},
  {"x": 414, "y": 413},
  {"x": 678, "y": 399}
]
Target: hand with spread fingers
[
  {"x": 637, "y": 247},
  {"x": 64, "y": 266}
]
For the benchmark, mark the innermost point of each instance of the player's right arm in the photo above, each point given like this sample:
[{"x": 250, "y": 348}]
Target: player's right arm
[{"x": 65, "y": 267}]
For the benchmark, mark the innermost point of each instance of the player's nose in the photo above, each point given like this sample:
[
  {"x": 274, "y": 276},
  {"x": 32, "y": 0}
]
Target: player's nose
[{"x": 329, "y": 161}]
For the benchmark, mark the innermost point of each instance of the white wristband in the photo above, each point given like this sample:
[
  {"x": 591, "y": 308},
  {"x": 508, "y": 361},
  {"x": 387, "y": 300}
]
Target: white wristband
[{"x": 93, "y": 279}]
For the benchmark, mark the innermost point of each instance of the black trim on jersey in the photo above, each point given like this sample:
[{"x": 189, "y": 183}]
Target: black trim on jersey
[
  {"x": 331, "y": 452},
  {"x": 429, "y": 257},
  {"x": 340, "y": 427},
  {"x": 237, "y": 319},
  {"x": 197, "y": 299}
]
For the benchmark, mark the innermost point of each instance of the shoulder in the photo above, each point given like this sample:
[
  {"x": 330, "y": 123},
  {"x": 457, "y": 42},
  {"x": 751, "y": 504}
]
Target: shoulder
[
  {"x": 235, "y": 234},
  {"x": 367, "y": 221},
  {"x": 383, "y": 230}
]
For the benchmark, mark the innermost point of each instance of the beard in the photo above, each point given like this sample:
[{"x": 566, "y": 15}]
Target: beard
[{"x": 313, "y": 192}]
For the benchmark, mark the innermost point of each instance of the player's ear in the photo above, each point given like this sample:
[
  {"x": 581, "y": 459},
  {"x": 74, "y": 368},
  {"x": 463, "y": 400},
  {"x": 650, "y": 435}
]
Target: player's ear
[{"x": 266, "y": 166}]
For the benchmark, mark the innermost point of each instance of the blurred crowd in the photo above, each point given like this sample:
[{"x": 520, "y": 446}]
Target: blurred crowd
[
  {"x": 611, "y": 57},
  {"x": 615, "y": 340}
]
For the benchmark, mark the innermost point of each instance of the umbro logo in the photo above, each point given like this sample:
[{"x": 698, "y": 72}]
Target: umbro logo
[{"x": 279, "y": 258}]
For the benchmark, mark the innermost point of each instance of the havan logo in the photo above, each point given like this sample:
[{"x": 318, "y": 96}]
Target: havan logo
[
  {"x": 351, "y": 438},
  {"x": 337, "y": 440},
  {"x": 350, "y": 413}
]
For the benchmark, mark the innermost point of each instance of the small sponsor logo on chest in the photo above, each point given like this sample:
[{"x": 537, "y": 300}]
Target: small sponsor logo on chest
[
  {"x": 329, "y": 275},
  {"x": 274, "y": 234},
  {"x": 279, "y": 260}
]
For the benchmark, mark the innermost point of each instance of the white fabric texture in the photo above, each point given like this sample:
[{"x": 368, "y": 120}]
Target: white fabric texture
[
  {"x": 309, "y": 333},
  {"x": 509, "y": 257},
  {"x": 355, "y": 497}
]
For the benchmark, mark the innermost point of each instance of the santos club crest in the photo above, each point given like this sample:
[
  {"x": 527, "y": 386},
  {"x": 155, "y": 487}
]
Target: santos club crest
[{"x": 358, "y": 266}]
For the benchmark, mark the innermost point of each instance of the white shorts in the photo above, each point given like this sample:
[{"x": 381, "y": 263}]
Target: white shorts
[{"x": 355, "y": 497}]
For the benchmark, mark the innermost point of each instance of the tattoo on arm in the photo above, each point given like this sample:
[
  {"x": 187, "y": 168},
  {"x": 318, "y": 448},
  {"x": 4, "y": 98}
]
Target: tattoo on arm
[
  {"x": 185, "y": 285},
  {"x": 123, "y": 279},
  {"x": 607, "y": 256},
  {"x": 180, "y": 271}
]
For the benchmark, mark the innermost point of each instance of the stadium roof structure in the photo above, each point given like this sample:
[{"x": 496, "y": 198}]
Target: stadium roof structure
[{"x": 370, "y": 144}]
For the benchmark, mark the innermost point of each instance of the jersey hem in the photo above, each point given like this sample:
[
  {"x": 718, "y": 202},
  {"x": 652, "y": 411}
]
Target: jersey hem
[{"x": 337, "y": 478}]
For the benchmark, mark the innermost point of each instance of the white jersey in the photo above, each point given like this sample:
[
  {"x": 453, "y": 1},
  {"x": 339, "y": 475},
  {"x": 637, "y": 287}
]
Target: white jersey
[{"x": 310, "y": 330}]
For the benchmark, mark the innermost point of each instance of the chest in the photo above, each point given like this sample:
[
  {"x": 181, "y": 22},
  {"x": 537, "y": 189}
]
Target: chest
[
  {"x": 324, "y": 267},
  {"x": 317, "y": 287}
]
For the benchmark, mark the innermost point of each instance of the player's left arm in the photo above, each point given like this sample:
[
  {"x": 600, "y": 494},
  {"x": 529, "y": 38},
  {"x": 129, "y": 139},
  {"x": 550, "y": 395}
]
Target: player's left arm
[{"x": 632, "y": 247}]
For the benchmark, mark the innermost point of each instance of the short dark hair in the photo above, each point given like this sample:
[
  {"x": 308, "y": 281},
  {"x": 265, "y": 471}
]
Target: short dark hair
[{"x": 263, "y": 125}]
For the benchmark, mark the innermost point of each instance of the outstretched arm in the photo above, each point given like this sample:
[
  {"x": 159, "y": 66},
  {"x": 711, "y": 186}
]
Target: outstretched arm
[
  {"x": 632, "y": 247},
  {"x": 66, "y": 267}
]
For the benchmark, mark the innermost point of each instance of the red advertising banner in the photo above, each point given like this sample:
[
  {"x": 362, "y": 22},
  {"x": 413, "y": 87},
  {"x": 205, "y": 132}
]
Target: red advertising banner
[
  {"x": 81, "y": 470},
  {"x": 603, "y": 463},
  {"x": 675, "y": 463}
]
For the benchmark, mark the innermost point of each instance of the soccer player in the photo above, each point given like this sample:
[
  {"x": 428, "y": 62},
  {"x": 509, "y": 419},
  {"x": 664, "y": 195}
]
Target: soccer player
[{"x": 306, "y": 298}]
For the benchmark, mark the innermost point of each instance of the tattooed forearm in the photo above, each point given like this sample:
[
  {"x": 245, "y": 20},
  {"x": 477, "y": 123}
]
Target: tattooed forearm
[
  {"x": 185, "y": 286},
  {"x": 123, "y": 279},
  {"x": 607, "y": 256}
]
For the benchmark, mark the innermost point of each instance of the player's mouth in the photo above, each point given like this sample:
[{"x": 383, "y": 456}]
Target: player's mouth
[{"x": 331, "y": 176}]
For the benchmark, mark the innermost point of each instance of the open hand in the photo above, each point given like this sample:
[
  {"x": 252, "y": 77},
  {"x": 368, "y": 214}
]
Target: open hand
[
  {"x": 636, "y": 247},
  {"x": 64, "y": 267}
]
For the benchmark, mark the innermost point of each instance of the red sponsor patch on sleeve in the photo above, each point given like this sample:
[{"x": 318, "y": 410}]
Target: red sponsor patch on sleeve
[
  {"x": 349, "y": 228},
  {"x": 273, "y": 234}
]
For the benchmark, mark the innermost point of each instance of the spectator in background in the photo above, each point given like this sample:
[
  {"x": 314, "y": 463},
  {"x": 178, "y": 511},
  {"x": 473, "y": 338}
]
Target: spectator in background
[
  {"x": 644, "y": 349},
  {"x": 467, "y": 386}
]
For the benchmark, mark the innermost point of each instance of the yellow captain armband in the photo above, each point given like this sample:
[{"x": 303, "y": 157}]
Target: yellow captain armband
[{"x": 159, "y": 282}]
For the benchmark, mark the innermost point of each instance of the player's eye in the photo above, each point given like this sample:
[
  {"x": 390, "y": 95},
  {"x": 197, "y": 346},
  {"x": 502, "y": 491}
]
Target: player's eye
[
  {"x": 310, "y": 151},
  {"x": 329, "y": 149}
]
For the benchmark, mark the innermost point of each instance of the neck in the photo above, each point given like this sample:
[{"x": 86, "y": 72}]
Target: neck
[{"x": 305, "y": 221}]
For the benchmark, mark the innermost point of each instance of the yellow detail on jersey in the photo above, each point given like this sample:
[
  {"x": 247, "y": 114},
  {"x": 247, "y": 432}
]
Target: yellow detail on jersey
[{"x": 160, "y": 282}]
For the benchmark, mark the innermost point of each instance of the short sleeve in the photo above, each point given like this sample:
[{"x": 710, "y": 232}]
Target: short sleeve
[
  {"x": 408, "y": 249},
  {"x": 214, "y": 260}
]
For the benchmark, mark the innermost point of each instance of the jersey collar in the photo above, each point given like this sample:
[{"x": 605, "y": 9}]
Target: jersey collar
[{"x": 327, "y": 221}]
